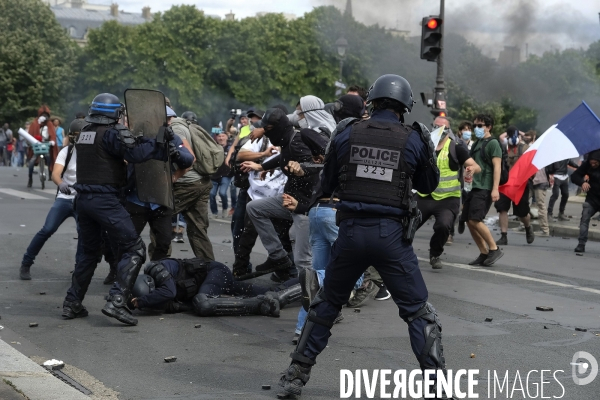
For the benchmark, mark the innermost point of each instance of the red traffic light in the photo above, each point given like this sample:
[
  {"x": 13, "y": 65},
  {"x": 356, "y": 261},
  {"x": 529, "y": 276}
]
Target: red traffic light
[
  {"x": 432, "y": 23},
  {"x": 442, "y": 114}
]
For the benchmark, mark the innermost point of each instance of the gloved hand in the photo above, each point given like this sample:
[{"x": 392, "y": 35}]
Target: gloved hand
[
  {"x": 169, "y": 134},
  {"x": 173, "y": 151},
  {"x": 64, "y": 188},
  {"x": 52, "y": 143}
]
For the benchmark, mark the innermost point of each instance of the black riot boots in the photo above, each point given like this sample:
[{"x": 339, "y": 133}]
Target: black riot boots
[
  {"x": 116, "y": 307},
  {"x": 74, "y": 309}
]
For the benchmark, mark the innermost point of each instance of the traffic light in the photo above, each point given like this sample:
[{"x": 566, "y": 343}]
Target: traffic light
[{"x": 431, "y": 38}]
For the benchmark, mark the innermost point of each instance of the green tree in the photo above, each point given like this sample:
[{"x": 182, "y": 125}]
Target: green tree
[{"x": 37, "y": 60}]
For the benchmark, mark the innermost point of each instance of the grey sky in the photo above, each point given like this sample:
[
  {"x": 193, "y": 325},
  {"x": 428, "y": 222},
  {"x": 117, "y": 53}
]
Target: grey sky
[{"x": 490, "y": 24}]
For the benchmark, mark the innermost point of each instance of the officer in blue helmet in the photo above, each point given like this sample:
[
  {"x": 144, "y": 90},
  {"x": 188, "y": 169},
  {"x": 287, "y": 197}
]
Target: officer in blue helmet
[
  {"x": 372, "y": 166},
  {"x": 102, "y": 149}
]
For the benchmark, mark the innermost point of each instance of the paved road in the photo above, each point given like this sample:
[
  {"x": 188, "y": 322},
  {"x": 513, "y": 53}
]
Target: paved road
[{"x": 231, "y": 357}]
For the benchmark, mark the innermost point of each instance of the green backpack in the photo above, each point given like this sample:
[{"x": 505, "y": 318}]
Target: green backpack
[{"x": 209, "y": 154}]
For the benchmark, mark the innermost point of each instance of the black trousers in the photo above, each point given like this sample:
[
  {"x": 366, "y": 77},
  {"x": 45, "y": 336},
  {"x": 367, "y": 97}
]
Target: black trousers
[
  {"x": 562, "y": 187},
  {"x": 444, "y": 211},
  {"x": 160, "y": 224}
]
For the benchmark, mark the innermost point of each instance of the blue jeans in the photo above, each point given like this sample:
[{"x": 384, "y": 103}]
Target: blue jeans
[
  {"x": 221, "y": 186},
  {"x": 60, "y": 211},
  {"x": 323, "y": 233}
]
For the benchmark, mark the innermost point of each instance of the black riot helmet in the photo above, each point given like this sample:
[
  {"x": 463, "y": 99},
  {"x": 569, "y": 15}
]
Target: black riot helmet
[
  {"x": 392, "y": 87},
  {"x": 76, "y": 127},
  {"x": 107, "y": 105},
  {"x": 144, "y": 284},
  {"x": 190, "y": 116}
]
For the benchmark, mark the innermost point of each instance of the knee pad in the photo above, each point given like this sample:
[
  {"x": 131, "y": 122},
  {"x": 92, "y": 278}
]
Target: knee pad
[
  {"x": 139, "y": 250},
  {"x": 432, "y": 354}
]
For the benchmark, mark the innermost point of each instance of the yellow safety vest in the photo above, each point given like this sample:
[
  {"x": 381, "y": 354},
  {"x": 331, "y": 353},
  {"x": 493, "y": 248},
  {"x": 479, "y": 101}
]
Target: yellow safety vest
[
  {"x": 449, "y": 185},
  {"x": 245, "y": 131}
]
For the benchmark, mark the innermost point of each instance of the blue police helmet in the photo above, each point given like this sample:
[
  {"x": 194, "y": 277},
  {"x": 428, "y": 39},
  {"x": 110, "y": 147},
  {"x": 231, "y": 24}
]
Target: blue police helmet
[
  {"x": 144, "y": 284},
  {"x": 108, "y": 105}
]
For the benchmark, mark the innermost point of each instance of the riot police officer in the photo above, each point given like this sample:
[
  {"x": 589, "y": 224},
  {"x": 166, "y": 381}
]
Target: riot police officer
[
  {"x": 372, "y": 167},
  {"x": 102, "y": 147}
]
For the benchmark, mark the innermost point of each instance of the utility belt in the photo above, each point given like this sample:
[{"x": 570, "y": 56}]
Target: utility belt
[{"x": 342, "y": 215}]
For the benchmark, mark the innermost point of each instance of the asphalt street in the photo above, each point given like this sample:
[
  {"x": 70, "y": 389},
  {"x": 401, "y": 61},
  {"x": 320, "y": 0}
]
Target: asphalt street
[{"x": 232, "y": 357}]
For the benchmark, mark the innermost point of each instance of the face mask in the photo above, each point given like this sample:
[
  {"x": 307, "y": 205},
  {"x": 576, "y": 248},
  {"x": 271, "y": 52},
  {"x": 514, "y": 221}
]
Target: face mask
[
  {"x": 466, "y": 135},
  {"x": 479, "y": 132},
  {"x": 513, "y": 141},
  {"x": 303, "y": 123},
  {"x": 41, "y": 120},
  {"x": 293, "y": 118}
]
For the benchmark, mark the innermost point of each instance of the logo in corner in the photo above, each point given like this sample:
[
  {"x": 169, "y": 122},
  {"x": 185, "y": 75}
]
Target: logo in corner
[{"x": 584, "y": 363}]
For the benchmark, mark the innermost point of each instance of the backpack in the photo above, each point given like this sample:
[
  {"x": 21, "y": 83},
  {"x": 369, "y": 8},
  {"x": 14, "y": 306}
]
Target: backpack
[
  {"x": 503, "y": 162},
  {"x": 240, "y": 178},
  {"x": 209, "y": 154}
]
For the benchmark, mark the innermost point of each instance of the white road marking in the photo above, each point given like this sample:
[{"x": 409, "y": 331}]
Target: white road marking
[
  {"x": 23, "y": 195},
  {"x": 490, "y": 270}
]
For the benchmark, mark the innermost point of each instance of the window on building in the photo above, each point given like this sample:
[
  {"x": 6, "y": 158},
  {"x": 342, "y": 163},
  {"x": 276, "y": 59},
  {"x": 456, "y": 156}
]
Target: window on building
[{"x": 72, "y": 31}]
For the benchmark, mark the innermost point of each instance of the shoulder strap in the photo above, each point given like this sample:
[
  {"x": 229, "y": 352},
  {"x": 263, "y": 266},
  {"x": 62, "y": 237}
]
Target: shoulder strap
[
  {"x": 68, "y": 159},
  {"x": 482, "y": 150}
]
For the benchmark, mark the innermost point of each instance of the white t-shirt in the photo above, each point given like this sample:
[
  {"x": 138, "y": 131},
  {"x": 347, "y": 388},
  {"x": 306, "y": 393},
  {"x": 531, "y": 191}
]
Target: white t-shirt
[
  {"x": 70, "y": 174},
  {"x": 256, "y": 146}
]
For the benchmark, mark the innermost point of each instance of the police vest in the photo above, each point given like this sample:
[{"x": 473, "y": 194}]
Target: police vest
[
  {"x": 191, "y": 275},
  {"x": 374, "y": 170},
  {"x": 95, "y": 166},
  {"x": 449, "y": 185}
]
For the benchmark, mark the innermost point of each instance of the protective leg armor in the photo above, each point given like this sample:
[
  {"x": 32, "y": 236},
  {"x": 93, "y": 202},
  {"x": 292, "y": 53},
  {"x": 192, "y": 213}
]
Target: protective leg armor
[
  {"x": 287, "y": 295},
  {"x": 207, "y": 306},
  {"x": 128, "y": 274},
  {"x": 298, "y": 373}
]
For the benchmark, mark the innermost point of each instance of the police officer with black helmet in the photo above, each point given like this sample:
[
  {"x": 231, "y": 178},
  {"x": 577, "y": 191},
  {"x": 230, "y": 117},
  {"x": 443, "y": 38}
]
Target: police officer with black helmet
[
  {"x": 102, "y": 147},
  {"x": 372, "y": 166}
]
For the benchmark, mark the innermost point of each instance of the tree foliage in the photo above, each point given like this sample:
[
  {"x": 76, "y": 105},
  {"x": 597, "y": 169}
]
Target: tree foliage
[{"x": 37, "y": 59}]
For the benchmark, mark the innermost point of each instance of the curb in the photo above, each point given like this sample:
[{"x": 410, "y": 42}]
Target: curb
[
  {"x": 561, "y": 230},
  {"x": 32, "y": 380}
]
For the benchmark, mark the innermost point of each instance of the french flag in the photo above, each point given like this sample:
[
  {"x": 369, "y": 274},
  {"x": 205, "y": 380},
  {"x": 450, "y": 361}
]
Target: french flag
[{"x": 575, "y": 134}]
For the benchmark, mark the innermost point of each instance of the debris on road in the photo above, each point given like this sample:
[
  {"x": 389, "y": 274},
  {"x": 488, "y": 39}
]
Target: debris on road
[
  {"x": 197, "y": 326},
  {"x": 489, "y": 319},
  {"x": 33, "y": 324},
  {"x": 53, "y": 364},
  {"x": 170, "y": 359},
  {"x": 357, "y": 310},
  {"x": 544, "y": 308},
  {"x": 266, "y": 387},
  {"x": 472, "y": 355},
  {"x": 581, "y": 329},
  {"x": 42, "y": 293},
  {"x": 579, "y": 254},
  {"x": 545, "y": 327}
]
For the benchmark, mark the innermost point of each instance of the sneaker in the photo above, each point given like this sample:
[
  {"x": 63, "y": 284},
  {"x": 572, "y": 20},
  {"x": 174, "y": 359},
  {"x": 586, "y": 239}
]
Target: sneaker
[
  {"x": 479, "y": 260},
  {"x": 461, "y": 227},
  {"x": 224, "y": 214},
  {"x": 362, "y": 295},
  {"x": 580, "y": 248},
  {"x": 543, "y": 234},
  {"x": 435, "y": 262},
  {"x": 503, "y": 241},
  {"x": 214, "y": 216},
  {"x": 179, "y": 238},
  {"x": 529, "y": 235},
  {"x": 493, "y": 256},
  {"x": 450, "y": 240},
  {"x": 563, "y": 217},
  {"x": 383, "y": 294},
  {"x": 24, "y": 273}
]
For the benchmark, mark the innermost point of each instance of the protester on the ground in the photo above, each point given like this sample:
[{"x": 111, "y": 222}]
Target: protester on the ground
[
  {"x": 515, "y": 147},
  {"x": 444, "y": 202},
  {"x": 485, "y": 190},
  {"x": 558, "y": 174},
  {"x": 588, "y": 177},
  {"x": 220, "y": 180},
  {"x": 64, "y": 176}
]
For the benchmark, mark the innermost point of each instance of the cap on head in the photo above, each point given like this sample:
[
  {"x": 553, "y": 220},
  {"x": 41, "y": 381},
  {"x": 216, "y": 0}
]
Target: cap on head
[
  {"x": 255, "y": 113},
  {"x": 271, "y": 117},
  {"x": 106, "y": 104},
  {"x": 392, "y": 87},
  {"x": 170, "y": 112}
]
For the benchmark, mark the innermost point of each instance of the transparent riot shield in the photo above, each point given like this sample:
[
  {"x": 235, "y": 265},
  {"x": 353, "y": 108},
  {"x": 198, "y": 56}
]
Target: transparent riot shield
[{"x": 146, "y": 113}]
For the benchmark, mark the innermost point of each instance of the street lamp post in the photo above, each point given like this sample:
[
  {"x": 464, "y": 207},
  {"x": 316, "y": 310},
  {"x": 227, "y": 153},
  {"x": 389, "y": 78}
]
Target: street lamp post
[{"x": 342, "y": 45}]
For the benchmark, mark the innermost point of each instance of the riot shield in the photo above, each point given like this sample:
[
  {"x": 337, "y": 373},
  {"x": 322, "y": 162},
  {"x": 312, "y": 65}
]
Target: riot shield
[{"x": 146, "y": 113}]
